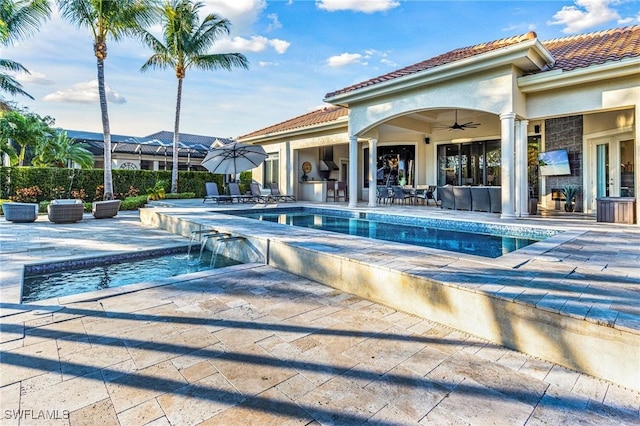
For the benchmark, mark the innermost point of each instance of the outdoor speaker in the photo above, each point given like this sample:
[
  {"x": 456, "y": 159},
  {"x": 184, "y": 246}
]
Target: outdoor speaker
[
  {"x": 536, "y": 128},
  {"x": 427, "y": 140}
]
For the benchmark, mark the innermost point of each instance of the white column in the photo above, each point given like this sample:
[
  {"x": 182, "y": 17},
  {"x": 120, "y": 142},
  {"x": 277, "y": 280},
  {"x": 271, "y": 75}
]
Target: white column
[
  {"x": 522, "y": 175},
  {"x": 353, "y": 171},
  {"x": 507, "y": 121},
  {"x": 290, "y": 172},
  {"x": 373, "y": 155}
]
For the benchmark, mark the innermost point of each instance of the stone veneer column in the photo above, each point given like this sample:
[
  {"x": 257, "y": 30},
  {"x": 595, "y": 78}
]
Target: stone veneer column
[
  {"x": 373, "y": 155},
  {"x": 353, "y": 171},
  {"x": 522, "y": 163},
  {"x": 507, "y": 143}
]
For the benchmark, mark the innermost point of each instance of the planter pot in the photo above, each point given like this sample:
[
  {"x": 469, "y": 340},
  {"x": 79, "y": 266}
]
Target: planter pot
[{"x": 568, "y": 207}]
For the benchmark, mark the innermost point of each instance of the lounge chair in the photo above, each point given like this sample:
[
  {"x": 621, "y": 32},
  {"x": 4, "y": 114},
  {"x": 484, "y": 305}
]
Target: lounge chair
[
  {"x": 20, "y": 212},
  {"x": 279, "y": 196},
  {"x": 214, "y": 195},
  {"x": 105, "y": 209},
  {"x": 234, "y": 193},
  {"x": 65, "y": 211},
  {"x": 257, "y": 195}
]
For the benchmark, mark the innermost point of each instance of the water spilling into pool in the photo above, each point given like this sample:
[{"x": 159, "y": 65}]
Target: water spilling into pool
[{"x": 80, "y": 276}]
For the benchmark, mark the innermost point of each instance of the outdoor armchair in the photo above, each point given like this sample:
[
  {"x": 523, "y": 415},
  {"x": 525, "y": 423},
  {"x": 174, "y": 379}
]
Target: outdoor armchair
[
  {"x": 105, "y": 209},
  {"x": 20, "y": 212},
  {"x": 65, "y": 211}
]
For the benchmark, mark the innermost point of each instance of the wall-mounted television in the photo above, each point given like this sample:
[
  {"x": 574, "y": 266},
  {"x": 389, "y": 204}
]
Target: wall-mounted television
[{"x": 554, "y": 163}]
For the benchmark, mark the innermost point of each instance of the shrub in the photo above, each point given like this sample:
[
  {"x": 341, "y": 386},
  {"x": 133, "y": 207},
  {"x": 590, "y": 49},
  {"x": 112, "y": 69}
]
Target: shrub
[
  {"x": 27, "y": 195},
  {"x": 133, "y": 203}
]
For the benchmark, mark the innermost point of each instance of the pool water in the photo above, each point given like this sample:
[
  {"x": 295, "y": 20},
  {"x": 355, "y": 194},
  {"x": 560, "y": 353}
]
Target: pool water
[
  {"x": 108, "y": 272},
  {"x": 480, "y": 244}
]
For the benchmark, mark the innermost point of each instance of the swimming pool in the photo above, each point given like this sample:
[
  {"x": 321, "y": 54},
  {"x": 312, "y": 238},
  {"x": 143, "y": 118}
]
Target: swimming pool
[
  {"x": 487, "y": 240},
  {"x": 45, "y": 281}
]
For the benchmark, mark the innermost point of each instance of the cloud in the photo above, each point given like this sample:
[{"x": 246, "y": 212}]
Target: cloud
[
  {"x": 268, "y": 64},
  {"x": 84, "y": 93},
  {"x": 33, "y": 78},
  {"x": 344, "y": 59},
  {"x": 585, "y": 14},
  {"x": 630, "y": 20},
  {"x": 241, "y": 13},
  {"x": 372, "y": 55},
  {"x": 279, "y": 46},
  {"x": 366, "y": 6},
  {"x": 275, "y": 23},
  {"x": 254, "y": 44}
]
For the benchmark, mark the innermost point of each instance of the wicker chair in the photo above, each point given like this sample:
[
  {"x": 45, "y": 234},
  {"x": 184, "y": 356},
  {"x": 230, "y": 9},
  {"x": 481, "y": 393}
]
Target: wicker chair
[
  {"x": 65, "y": 211},
  {"x": 20, "y": 212},
  {"x": 105, "y": 209}
]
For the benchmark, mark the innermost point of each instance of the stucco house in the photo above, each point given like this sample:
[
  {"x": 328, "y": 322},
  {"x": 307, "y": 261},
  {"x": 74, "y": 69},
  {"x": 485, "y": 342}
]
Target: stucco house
[{"x": 528, "y": 115}]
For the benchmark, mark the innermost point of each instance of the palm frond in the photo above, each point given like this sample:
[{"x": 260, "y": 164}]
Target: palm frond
[
  {"x": 217, "y": 61},
  {"x": 22, "y": 18},
  {"x": 12, "y": 86}
]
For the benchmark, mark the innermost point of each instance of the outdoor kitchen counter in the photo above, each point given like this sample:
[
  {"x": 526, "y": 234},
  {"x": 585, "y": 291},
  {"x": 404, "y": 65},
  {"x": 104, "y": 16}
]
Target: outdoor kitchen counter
[{"x": 313, "y": 190}]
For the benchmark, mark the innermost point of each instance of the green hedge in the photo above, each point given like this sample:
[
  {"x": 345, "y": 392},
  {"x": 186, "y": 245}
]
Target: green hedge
[{"x": 87, "y": 184}]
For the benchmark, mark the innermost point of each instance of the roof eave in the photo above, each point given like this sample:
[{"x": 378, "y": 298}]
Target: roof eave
[
  {"x": 551, "y": 80},
  {"x": 298, "y": 131},
  {"x": 529, "y": 56}
]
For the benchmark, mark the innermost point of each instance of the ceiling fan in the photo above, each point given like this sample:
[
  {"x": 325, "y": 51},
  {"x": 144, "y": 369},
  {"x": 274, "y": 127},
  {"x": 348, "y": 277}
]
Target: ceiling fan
[{"x": 456, "y": 126}]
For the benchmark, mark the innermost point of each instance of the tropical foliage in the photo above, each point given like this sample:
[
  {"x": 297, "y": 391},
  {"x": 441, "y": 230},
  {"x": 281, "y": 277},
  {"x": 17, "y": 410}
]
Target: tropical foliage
[
  {"x": 18, "y": 20},
  {"x": 62, "y": 151},
  {"x": 26, "y": 129},
  {"x": 186, "y": 43},
  {"x": 107, "y": 19}
]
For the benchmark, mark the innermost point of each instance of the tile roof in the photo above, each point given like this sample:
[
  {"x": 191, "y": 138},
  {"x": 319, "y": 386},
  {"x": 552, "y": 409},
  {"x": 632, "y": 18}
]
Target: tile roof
[
  {"x": 583, "y": 50},
  {"x": 570, "y": 53},
  {"x": 319, "y": 116}
]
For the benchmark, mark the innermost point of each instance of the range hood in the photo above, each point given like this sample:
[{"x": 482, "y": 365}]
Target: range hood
[{"x": 328, "y": 165}]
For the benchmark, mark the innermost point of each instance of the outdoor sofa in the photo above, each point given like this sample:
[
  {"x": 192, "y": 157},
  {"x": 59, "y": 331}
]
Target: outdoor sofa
[
  {"x": 65, "y": 211},
  {"x": 472, "y": 198},
  {"x": 105, "y": 209},
  {"x": 20, "y": 212}
]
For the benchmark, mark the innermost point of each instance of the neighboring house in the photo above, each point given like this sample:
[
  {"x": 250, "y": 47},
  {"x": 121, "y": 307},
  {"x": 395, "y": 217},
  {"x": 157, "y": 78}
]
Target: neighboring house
[
  {"x": 479, "y": 115},
  {"x": 153, "y": 152}
]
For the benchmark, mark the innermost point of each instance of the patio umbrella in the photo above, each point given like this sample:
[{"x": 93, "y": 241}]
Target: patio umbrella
[{"x": 233, "y": 158}]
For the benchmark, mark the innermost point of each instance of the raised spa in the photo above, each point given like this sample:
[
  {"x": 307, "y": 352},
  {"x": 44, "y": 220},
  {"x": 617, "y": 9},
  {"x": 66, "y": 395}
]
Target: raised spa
[{"x": 45, "y": 281}]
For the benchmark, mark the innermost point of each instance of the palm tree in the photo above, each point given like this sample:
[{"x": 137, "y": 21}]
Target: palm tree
[
  {"x": 186, "y": 45},
  {"x": 61, "y": 151},
  {"x": 26, "y": 129},
  {"x": 107, "y": 18},
  {"x": 18, "y": 20}
]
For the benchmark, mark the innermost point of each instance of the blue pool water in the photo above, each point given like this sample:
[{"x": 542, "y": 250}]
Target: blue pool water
[
  {"x": 479, "y": 239},
  {"x": 80, "y": 276}
]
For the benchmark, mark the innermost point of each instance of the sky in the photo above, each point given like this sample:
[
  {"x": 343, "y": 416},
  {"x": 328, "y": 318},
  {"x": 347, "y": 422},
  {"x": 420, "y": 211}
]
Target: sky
[{"x": 298, "y": 51}]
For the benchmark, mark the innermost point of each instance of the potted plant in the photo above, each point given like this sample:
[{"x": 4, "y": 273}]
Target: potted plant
[{"x": 570, "y": 192}]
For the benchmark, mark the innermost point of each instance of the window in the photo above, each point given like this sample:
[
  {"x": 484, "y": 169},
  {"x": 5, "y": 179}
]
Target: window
[
  {"x": 475, "y": 163},
  {"x": 395, "y": 165},
  {"x": 271, "y": 170}
]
